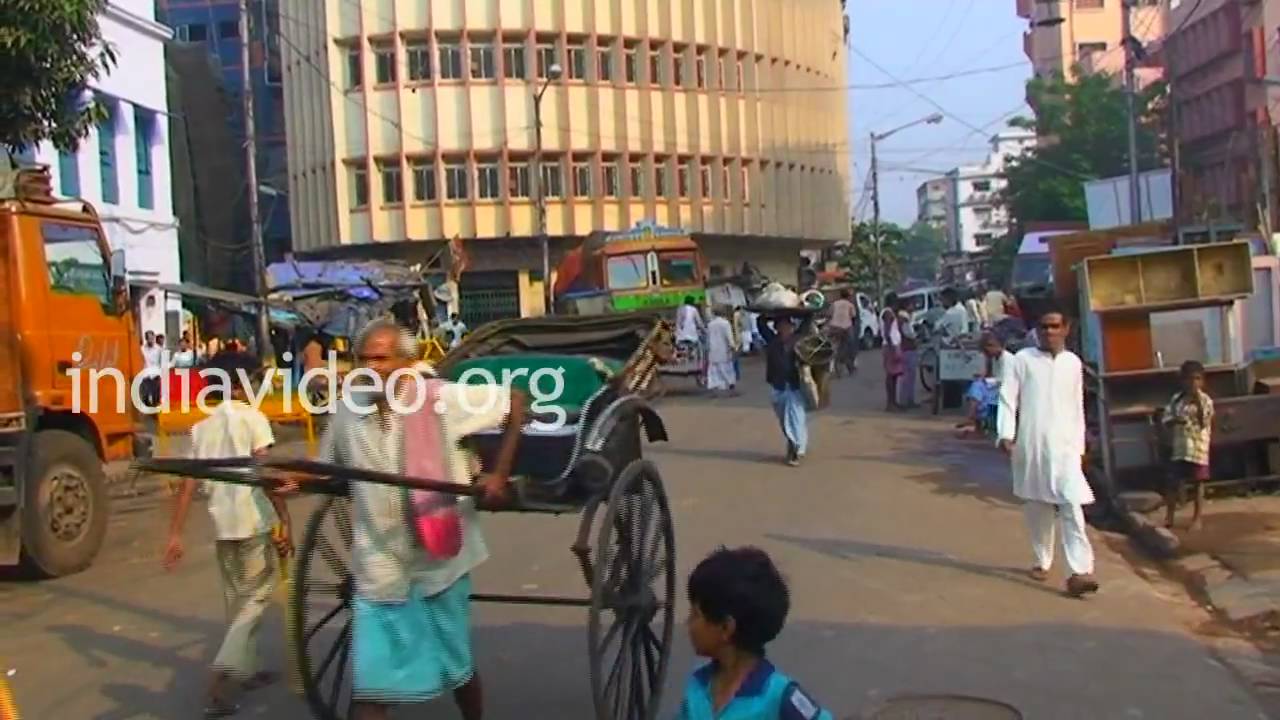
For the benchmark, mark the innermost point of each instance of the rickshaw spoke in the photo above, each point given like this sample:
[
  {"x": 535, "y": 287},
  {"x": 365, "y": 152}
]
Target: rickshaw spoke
[
  {"x": 331, "y": 557},
  {"x": 311, "y": 632},
  {"x": 343, "y": 639},
  {"x": 618, "y": 622},
  {"x": 335, "y": 692},
  {"x": 343, "y": 520}
]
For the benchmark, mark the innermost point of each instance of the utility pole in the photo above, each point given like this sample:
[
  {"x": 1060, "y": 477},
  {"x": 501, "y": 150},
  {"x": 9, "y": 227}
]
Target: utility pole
[
  {"x": 1130, "y": 90},
  {"x": 875, "y": 221},
  {"x": 251, "y": 179},
  {"x": 540, "y": 193}
]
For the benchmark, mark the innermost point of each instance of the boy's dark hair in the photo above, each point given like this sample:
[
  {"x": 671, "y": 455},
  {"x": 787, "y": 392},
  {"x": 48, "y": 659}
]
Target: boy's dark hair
[
  {"x": 231, "y": 363},
  {"x": 1191, "y": 368},
  {"x": 743, "y": 584}
]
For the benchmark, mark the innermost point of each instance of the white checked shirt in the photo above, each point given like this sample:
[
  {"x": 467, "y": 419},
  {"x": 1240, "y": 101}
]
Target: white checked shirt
[
  {"x": 386, "y": 557},
  {"x": 235, "y": 430}
]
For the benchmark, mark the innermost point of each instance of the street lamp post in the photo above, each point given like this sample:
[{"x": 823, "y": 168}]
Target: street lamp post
[
  {"x": 540, "y": 196},
  {"x": 933, "y": 119}
]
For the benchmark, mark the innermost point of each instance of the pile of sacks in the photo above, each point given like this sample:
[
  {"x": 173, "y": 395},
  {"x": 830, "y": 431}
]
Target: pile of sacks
[{"x": 775, "y": 296}]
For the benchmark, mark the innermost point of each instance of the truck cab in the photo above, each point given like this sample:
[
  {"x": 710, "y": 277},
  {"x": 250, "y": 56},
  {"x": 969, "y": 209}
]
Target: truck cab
[{"x": 69, "y": 353}]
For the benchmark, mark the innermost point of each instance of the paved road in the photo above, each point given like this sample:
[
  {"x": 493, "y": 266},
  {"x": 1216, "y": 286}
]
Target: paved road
[{"x": 902, "y": 545}]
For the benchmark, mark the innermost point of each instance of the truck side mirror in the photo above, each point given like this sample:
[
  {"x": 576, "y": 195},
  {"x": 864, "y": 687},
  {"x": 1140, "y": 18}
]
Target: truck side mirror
[
  {"x": 118, "y": 272},
  {"x": 119, "y": 281}
]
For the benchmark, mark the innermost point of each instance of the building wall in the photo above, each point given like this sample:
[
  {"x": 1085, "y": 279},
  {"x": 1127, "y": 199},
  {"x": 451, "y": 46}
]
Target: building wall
[
  {"x": 978, "y": 217},
  {"x": 933, "y": 201},
  {"x": 139, "y": 218},
  {"x": 1088, "y": 35},
  {"x": 1215, "y": 61},
  {"x": 771, "y": 168},
  {"x": 215, "y": 25}
]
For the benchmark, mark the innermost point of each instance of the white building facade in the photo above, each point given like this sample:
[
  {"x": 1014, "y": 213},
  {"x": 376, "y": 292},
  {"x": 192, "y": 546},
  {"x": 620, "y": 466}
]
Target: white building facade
[
  {"x": 122, "y": 166},
  {"x": 978, "y": 216}
]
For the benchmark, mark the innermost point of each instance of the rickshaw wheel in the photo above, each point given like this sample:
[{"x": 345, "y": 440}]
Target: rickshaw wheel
[
  {"x": 322, "y": 613},
  {"x": 633, "y": 596},
  {"x": 929, "y": 366}
]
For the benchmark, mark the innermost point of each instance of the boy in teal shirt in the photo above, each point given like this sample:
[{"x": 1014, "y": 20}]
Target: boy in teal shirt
[{"x": 738, "y": 604}]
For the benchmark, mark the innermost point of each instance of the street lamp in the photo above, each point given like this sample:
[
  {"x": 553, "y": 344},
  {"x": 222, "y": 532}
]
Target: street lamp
[
  {"x": 540, "y": 198},
  {"x": 933, "y": 119}
]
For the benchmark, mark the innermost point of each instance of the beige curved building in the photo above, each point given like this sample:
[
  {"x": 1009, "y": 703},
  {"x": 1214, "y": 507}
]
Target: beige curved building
[{"x": 414, "y": 120}]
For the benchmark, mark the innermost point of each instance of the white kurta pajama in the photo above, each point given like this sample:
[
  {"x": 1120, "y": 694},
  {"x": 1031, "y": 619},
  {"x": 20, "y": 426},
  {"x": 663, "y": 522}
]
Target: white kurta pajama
[
  {"x": 721, "y": 373},
  {"x": 1042, "y": 411}
]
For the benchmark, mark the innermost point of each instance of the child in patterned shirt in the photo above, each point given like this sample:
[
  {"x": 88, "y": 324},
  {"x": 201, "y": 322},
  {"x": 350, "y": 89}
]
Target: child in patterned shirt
[{"x": 1189, "y": 419}]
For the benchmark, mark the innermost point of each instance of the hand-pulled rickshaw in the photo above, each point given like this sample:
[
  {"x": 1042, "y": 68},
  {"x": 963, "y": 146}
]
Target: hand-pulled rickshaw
[{"x": 593, "y": 466}]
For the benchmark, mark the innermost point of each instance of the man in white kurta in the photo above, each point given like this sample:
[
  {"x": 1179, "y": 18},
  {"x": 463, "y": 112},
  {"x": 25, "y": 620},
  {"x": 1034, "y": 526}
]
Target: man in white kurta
[
  {"x": 721, "y": 351},
  {"x": 1040, "y": 424}
]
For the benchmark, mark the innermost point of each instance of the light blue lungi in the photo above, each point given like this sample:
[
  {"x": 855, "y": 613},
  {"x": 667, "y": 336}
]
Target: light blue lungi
[
  {"x": 414, "y": 650},
  {"x": 788, "y": 405}
]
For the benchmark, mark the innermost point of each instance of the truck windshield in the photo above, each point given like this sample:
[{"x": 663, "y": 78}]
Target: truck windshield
[
  {"x": 678, "y": 269},
  {"x": 627, "y": 272},
  {"x": 76, "y": 265},
  {"x": 1032, "y": 270}
]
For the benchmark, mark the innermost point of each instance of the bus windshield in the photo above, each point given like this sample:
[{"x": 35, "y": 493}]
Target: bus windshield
[
  {"x": 627, "y": 272},
  {"x": 678, "y": 269}
]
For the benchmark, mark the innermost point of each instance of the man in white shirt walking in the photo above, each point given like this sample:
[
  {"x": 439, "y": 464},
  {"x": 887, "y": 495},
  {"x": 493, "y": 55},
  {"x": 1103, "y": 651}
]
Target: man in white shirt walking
[
  {"x": 1040, "y": 425},
  {"x": 722, "y": 375},
  {"x": 152, "y": 360},
  {"x": 955, "y": 321},
  {"x": 244, "y": 518}
]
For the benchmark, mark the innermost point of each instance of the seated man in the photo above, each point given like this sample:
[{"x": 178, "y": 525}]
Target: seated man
[{"x": 983, "y": 395}]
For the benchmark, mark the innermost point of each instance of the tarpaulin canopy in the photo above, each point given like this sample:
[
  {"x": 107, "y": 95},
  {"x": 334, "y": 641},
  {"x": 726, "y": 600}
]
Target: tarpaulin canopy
[{"x": 323, "y": 290}]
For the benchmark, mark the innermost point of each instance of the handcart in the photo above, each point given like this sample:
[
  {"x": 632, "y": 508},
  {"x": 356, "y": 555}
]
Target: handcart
[{"x": 593, "y": 466}]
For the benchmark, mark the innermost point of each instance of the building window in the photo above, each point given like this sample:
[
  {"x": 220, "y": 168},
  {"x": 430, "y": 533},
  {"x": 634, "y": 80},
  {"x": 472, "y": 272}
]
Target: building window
[
  {"x": 722, "y": 70},
  {"x": 983, "y": 239},
  {"x": 107, "y": 159},
  {"x": 700, "y": 68},
  {"x": 740, "y": 74},
  {"x": 552, "y": 180},
  {"x": 683, "y": 184},
  {"x": 724, "y": 180},
  {"x": 359, "y": 186},
  {"x": 660, "y": 184},
  {"x": 679, "y": 76},
  {"x": 547, "y": 57},
  {"x": 982, "y": 186},
  {"x": 983, "y": 216},
  {"x": 655, "y": 66},
  {"x": 68, "y": 174},
  {"x": 455, "y": 181},
  {"x": 637, "y": 171},
  {"x": 582, "y": 179},
  {"x": 195, "y": 32},
  {"x": 424, "y": 180},
  {"x": 514, "y": 65},
  {"x": 1090, "y": 4},
  {"x": 1086, "y": 51},
  {"x": 487, "y": 185},
  {"x": 355, "y": 70},
  {"x": 228, "y": 30},
  {"x": 604, "y": 64},
  {"x": 450, "y": 62},
  {"x": 631, "y": 65},
  {"x": 746, "y": 184},
  {"x": 392, "y": 178},
  {"x": 418, "y": 55},
  {"x": 704, "y": 180},
  {"x": 518, "y": 180},
  {"x": 384, "y": 64},
  {"x": 577, "y": 61},
  {"x": 612, "y": 179},
  {"x": 142, "y": 122},
  {"x": 482, "y": 63}
]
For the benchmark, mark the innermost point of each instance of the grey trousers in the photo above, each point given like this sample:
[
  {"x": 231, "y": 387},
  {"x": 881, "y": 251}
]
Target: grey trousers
[{"x": 248, "y": 581}]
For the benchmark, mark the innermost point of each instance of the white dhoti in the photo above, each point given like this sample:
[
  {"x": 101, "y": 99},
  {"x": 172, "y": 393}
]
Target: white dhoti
[
  {"x": 721, "y": 376},
  {"x": 1041, "y": 518}
]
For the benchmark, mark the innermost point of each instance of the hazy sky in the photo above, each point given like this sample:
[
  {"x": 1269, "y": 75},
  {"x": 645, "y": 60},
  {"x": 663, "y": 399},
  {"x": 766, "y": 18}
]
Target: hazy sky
[{"x": 914, "y": 39}]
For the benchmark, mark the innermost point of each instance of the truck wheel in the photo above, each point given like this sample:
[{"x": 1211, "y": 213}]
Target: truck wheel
[{"x": 64, "y": 511}]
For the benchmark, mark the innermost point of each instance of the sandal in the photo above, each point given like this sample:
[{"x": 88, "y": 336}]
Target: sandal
[
  {"x": 260, "y": 680},
  {"x": 216, "y": 708}
]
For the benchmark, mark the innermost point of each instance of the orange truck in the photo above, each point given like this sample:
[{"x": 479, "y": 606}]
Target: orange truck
[{"x": 64, "y": 314}]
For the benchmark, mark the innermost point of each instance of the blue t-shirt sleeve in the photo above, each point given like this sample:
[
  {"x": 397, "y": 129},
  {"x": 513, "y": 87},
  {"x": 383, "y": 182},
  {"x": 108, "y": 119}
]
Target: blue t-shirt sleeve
[{"x": 797, "y": 705}]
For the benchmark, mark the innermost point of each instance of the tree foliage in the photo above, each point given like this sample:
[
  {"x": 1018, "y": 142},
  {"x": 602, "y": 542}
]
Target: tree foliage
[
  {"x": 1084, "y": 135},
  {"x": 907, "y": 253},
  {"x": 49, "y": 51}
]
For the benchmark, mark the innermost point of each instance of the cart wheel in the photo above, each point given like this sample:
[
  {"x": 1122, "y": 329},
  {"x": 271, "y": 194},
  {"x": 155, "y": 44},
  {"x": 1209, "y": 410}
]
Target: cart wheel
[
  {"x": 929, "y": 370},
  {"x": 632, "y": 597},
  {"x": 321, "y": 605}
]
